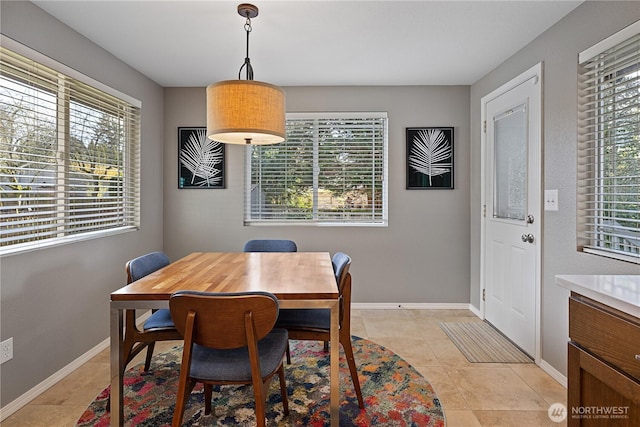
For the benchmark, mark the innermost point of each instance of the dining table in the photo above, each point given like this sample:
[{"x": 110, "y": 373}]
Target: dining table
[{"x": 297, "y": 279}]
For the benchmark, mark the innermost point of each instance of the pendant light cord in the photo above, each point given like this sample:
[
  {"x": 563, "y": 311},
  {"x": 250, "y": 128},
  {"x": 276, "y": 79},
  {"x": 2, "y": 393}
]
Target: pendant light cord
[{"x": 247, "y": 61}]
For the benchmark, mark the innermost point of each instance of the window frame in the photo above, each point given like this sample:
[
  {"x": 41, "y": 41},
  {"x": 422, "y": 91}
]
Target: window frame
[
  {"x": 600, "y": 139},
  {"x": 382, "y": 211},
  {"x": 86, "y": 95}
]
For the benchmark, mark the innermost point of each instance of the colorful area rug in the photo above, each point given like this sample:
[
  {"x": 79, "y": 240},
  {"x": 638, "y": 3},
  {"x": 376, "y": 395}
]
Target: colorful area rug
[
  {"x": 482, "y": 343},
  {"x": 395, "y": 394}
]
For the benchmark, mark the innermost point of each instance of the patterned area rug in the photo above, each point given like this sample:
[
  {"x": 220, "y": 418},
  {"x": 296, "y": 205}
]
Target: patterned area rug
[
  {"x": 481, "y": 343},
  {"x": 395, "y": 393}
]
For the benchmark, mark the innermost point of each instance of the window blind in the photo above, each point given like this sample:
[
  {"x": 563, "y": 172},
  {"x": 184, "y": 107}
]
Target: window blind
[
  {"x": 609, "y": 147},
  {"x": 69, "y": 156},
  {"x": 331, "y": 169}
]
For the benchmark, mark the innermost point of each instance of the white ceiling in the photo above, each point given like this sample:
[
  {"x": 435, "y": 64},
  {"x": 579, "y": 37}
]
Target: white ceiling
[{"x": 296, "y": 43}]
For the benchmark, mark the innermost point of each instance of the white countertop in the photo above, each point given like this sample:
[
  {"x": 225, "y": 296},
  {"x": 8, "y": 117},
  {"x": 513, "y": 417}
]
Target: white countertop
[{"x": 621, "y": 292}]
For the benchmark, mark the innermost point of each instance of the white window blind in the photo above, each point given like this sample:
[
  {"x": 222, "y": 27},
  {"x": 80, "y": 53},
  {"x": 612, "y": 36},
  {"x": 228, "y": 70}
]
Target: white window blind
[
  {"x": 331, "y": 169},
  {"x": 609, "y": 147},
  {"x": 68, "y": 157}
]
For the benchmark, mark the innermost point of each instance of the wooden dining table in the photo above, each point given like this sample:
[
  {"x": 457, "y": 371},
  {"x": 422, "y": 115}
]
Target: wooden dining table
[{"x": 297, "y": 279}]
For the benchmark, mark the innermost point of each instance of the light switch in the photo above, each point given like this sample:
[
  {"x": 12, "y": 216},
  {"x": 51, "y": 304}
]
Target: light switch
[{"x": 551, "y": 200}]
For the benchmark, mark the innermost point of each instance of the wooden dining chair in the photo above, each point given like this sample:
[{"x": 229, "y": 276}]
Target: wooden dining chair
[
  {"x": 315, "y": 323},
  {"x": 229, "y": 338},
  {"x": 270, "y": 245},
  {"x": 159, "y": 326}
]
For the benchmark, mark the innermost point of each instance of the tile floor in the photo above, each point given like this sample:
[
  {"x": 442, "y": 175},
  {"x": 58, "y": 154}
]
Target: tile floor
[{"x": 472, "y": 394}]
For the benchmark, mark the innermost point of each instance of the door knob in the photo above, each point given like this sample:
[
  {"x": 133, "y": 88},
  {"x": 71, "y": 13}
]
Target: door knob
[{"x": 527, "y": 238}]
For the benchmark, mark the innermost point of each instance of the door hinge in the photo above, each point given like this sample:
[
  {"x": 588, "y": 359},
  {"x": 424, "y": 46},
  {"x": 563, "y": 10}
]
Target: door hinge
[
  {"x": 484, "y": 211},
  {"x": 484, "y": 127},
  {"x": 484, "y": 295}
]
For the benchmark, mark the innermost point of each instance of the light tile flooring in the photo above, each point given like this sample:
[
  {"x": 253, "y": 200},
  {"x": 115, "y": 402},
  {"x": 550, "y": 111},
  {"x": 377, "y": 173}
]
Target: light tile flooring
[{"x": 472, "y": 394}]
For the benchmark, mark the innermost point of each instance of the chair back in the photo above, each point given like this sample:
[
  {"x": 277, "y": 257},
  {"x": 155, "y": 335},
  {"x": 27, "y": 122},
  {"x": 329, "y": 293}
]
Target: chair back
[
  {"x": 341, "y": 263},
  {"x": 220, "y": 319},
  {"x": 139, "y": 267},
  {"x": 270, "y": 245}
]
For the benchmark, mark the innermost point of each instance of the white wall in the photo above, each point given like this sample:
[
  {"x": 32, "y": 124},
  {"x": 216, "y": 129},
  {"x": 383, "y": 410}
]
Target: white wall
[
  {"x": 55, "y": 302},
  {"x": 558, "y": 48},
  {"x": 422, "y": 257}
]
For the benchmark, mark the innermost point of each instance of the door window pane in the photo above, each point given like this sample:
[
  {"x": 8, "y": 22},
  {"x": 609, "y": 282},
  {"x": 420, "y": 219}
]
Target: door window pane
[{"x": 510, "y": 192}]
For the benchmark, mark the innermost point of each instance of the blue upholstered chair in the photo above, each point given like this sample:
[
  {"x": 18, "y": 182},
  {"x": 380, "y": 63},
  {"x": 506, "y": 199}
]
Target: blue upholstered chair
[
  {"x": 159, "y": 326},
  {"x": 229, "y": 339},
  {"x": 314, "y": 324},
  {"x": 270, "y": 245}
]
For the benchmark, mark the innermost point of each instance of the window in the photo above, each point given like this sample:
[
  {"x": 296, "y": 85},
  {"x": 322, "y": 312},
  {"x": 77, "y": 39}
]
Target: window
[
  {"x": 331, "y": 169},
  {"x": 68, "y": 155},
  {"x": 609, "y": 147}
]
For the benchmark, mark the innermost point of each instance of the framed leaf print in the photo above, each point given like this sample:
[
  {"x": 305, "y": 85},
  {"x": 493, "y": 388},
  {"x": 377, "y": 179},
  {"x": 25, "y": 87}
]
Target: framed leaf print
[
  {"x": 429, "y": 158},
  {"x": 200, "y": 160}
]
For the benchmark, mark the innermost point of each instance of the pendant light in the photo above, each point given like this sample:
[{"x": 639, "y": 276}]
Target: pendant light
[{"x": 245, "y": 111}]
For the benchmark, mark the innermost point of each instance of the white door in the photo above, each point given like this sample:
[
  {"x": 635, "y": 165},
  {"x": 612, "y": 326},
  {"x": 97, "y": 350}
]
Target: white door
[{"x": 512, "y": 190}]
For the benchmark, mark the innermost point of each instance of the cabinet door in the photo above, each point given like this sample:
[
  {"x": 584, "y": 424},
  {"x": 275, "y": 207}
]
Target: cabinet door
[{"x": 598, "y": 394}]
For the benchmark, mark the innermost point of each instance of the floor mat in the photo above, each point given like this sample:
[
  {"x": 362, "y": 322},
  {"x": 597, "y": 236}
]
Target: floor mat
[{"x": 481, "y": 343}]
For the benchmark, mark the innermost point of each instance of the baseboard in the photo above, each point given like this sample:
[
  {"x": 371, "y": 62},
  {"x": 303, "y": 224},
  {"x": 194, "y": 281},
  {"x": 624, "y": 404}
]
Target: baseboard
[
  {"x": 475, "y": 311},
  {"x": 553, "y": 372},
  {"x": 409, "y": 306},
  {"x": 12, "y": 407}
]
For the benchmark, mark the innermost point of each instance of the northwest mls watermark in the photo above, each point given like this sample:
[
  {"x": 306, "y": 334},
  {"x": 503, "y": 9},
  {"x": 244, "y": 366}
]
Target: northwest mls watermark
[
  {"x": 600, "y": 412},
  {"x": 558, "y": 412}
]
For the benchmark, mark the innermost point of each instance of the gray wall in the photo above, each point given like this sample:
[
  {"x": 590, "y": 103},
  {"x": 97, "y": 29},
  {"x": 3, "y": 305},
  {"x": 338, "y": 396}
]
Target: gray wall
[
  {"x": 421, "y": 257},
  {"x": 55, "y": 302},
  {"x": 558, "y": 49}
]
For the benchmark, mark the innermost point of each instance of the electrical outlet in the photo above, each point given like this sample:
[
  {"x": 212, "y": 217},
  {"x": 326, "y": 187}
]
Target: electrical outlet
[{"x": 6, "y": 350}]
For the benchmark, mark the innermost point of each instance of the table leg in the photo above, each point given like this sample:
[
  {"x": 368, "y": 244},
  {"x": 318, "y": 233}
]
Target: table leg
[
  {"x": 335, "y": 365},
  {"x": 117, "y": 371}
]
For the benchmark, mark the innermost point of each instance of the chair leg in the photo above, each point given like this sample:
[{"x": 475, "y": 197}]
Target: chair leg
[
  {"x": 288, "y": 354},
  {"x": 260, "y": 414},
  {"x": 351, "y": 361},
  {"x": 283, "y": 390},
  {"x": 326, "y": 346},
  {"x": 184, "y": 390},
  {"x": 208, "y": 393},
  {"x": 147, "y": 362},
  {"x": 259, "y": 395},
  {"x": 127, "y": 347},
  {"x": 127, "y": 355}
]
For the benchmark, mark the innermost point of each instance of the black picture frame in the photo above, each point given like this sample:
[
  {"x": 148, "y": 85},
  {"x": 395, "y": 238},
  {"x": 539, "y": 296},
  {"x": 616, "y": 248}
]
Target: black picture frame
[
  {"x": 430, "y": 149},
  {"x": 201, "y": 161}
]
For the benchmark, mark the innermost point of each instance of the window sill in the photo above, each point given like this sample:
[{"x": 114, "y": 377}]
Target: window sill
[
  {"x": 50, "y": 243},
  {"x": 614, "y": 255},
  {"x": 314, "y": 224}
]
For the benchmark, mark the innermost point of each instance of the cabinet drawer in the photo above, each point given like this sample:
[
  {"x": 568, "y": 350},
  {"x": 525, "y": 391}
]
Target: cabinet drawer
[{"x": 612, "y": 336}]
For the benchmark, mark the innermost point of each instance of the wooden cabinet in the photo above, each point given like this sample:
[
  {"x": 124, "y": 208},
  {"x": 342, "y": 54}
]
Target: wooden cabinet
[{"x": 603, "y": 366}]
